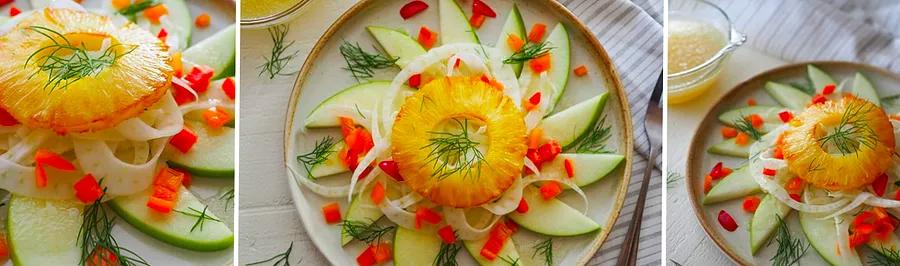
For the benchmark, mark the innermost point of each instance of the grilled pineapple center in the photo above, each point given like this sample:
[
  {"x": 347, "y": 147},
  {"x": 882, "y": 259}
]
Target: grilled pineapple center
[{"x": 459, "y": 142}]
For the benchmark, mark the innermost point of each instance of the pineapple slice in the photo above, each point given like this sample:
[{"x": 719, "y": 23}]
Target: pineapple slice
[
  {"x": 459, "y": 142},
  {"x": 74, "y": 71},
  {"x": 839, "y": 145}
]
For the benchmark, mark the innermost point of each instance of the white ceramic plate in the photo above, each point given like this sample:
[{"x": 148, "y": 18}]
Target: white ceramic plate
[{"x": 322, "y": 76}]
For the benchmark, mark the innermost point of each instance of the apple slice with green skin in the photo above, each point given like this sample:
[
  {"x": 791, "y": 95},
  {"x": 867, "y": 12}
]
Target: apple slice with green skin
[
  {"x": 397, "y": 44},
  {"x": 332, "y": 164},
  {"x": 217, "y": 52},
  {"x": 215, "y": 93},
  {"x": 788, "y": 96},
  {"x": 361, "y": 210},
  {"x": 455, "y": 27},
  {"x": 175, "y": 228},
  {"x": 180, "y": 25},
  {"x": 566, "y": 221},
  {"x": 211, "y": 156},
  {"x": 514, "y": 26},
  {"x": 559, "y": 64},
  {"x": 588, "y": 168},
  {"x": 765, "y": 221},
  {"x": 736, "y": 185},
  {"x": 769, "y": 115},
  {"x": 820, "y": 233},
  {"x": 818, "y": 78},
  {"x": 44, "y": 232},
  {"x": 729, "y": 147},
  {"x": 864, "y": 89},
  {"x": 508, "y": 252},
  {"x": 569, "y": 126},
  {"x": 363, "y": 96},
  {"x": 415, "y": 247},
  {"x": 885, "y": 246}
]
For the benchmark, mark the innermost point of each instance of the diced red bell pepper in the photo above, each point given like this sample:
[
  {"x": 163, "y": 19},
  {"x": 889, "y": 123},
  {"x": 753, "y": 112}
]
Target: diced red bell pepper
[
  {"x": 162, "y": 35},
  {"x": 412, "y": 8},
  {"x": 857, "y": 240},
  {"x": 828, "y": 89},
  {"x": 5, "y": 2},
  {"x": 160, "y": 205},
  {"x": 534, "y": 156},
  {"x": 581, "y": 71},
  {"x": 415, "y": 81},
  {"x": 358, "y": 142},
  {"x": 716, "y": 172},
  {"x": 751, "y": 102},
  {"x": 537, "y": 32},
  {"x": 216, "y": 117},
  {"x": 427, "y": 38},
  {"x": 377, "y": 193},
  {"x": 367, "y": 257},
  {"x": 880, "y": 185},
  {"x": 184, "y": 140},
  {"x": 13, "y": 11},
  {"x": 726, "y": 171},
  {"x": 549, "y": 150},
  {"x": 751, "y": 203},
  {"x": 481, "y": 8},
  {"x": 390, "y": 168},
  {"x": 540, "y": 64},
  {"x": 4, "y": 248},
  {"x": 447, "y": 234},
  {"x": 477, "y": 20},
  {"x": 785, "y": 116},
  {"x": 769, "y": 172},
  {"x": 102, "y": 256},
  {"x": 382, "y": 253},
  {"x": 570, "y": 169},
  {"x": 427, "y": 215},
  {"x": 181, "y": 94},
  {"x": 332, "y": 212},
  {"x": 186, "y": 179},
  {"x": 707, "y": 183},
  {"x": 496, "y": 240},
  {"x": 794, "y": 185},
  {"x": 819, "y": 98},
  {"x": 550, "y": 190},
  {"x": 228, "y": 87},
  {"x": 727, "y": 221},
  {"x": 6, "y": 119},
  {"x": 796, "y": 197},
  {"x": 729, "y": 132},
  {"x": 44, "y": 157},
  {"x": 87, "y": 189},
  {"x": 778, "y": 153},
  {"x": 165, "y": 190},
  {"x": 897, "y": 195},
  {"x": 523, "y": 206},
  {"x": 199, "y": 78},
  {"x": 535, "y": 98}
]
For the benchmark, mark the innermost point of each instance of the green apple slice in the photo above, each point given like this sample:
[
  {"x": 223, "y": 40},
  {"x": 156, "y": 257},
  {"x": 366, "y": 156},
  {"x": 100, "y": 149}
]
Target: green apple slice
[
  {"x": 588, "y": 168},
  {"x": 769, "y": 115},
  {"x": 415, "y": 247},
  {"x": 560, "y": 67},
  {"x": 552, "y": 217},
  {"x": 728, "y": 147},
  {"x": 736, "y": 185},
  {"x": 217, "y": 52},
  {"x": 885, "y": 246},
  {"x": 788, "y": 96},
  {"x": 361, "y": 210},
  {"x": 569, "y": 126},
  {"x": 44, "y": 232},
  {"x": 818, "y": 78},
  {"x": 397, "y": 44},
  {"x": 180, "y": 25},
  {"x": 363, "y": 96},
  {"x": 332, "y": 164},
  {"x": 175, "y": 228},
  {"x": 455, "y": 27},
  {"x": 508, "y": 252},
  {"x": 864, "y": 89},
  {"x": 514, "y": 26},
  {"x": 820, "y": 233},
  {"x": 765, "y": 221},
  {"x": 3, "y": 19},
  {"x": 211, "y": 156}
]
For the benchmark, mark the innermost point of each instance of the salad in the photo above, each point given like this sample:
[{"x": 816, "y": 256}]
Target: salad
[
  {"x": 106, "y": 112},
  {"x": 827, "y": 153},
  {"x": 462, "y": 148}
]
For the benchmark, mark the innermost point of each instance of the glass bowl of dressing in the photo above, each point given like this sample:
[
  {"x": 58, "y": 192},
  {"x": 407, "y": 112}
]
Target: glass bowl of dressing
[
  {"x": 701, "y": 37},
  {"x": 264, "y": 13}
]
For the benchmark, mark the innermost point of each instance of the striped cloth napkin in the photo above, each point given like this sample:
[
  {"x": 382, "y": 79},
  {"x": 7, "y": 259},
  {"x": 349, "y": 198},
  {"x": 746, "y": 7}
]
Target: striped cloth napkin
[{"x": 632, "y": 34}]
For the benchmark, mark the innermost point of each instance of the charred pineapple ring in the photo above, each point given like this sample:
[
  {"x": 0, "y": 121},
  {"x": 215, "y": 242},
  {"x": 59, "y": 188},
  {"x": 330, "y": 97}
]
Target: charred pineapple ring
[
  {"x": 839, "y": 145},
  {"x": 459, "y": 142},
  {"x": 42, "y": 92}
]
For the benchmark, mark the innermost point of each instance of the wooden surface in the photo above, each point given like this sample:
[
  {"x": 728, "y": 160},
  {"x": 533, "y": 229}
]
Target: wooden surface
[
  {"x": 687, "y": 243},
  {"x": 268, "y": 220}
]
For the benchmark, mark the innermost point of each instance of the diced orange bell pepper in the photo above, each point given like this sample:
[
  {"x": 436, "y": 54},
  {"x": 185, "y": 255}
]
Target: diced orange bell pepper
[
  {"x": 514, "y": 42},
  {"x": 216, "y": 117},
  {"x": 477, "y": 20},
  {"x": 756, "y": 120},
  {"x": 570, "y": 168},
  {"x": 581, "y": 71},
  {"x": 550, "y": 190},
  {"x": 121, "y": 4},
  {"x": 202, "y": 21},
  {"x": 427, "y": 38},
  {"x": 534, "y": 138},
  {"x": 377, "y": 193},
  {"x": 540, "y": 64},
  {"x": 154, "y": 13},
  {"x": 742, "y": 139},
  {"x": 44, "y": 157},
  {"x": 537, "y": 32},
  {"x": 751, "y": 203},
  {"x": 177, "y": 65},
  {"x": 427, "y": 215},
  {"x": 160, "y": 205},
  {"x": 707, "y": 183},
  {"x": 729, "y": 132},
  {"x": 751, "y": 102}
]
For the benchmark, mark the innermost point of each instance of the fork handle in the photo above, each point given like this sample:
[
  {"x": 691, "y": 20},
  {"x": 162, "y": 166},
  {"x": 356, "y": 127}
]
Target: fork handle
[{"x": 628, "y": 255}]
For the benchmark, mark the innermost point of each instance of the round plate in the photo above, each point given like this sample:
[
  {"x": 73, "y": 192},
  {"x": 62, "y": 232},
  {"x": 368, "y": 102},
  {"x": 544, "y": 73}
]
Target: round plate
[
  {"x": 737, "y": 244},
  {"x": 208, "y": 190},
  {"x": 322, "y": 75}
]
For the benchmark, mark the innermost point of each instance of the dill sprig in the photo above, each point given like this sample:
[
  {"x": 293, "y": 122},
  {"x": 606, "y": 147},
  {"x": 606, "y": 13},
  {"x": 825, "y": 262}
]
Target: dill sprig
[
  {"x": 96, "y": 240},
  {"x": 131, "y": 11},
  {"x": 595, "y": 141},
  {"x": 281, "y": 259},
  {"x": 853, "y": 131},
  {"x": 744, "y": 125},
  {"x": 545, "y": 249},
  {"x": 365, "y": 232},
  {"x": 529, "y": 51},
  {"x": 447, "y": 254},
  {"x": 673, "y": 177},
  {"x": 511, "y": 261},
  {"x": 277, "y": 59},
  {"x": 228, "y": 196},
  {"x": 66, "y": 63},
  {"x": 454, "y": 152},
  {"x": 319, "y": 154},
  {"x": 887, "y": 256},
  {"x": 790, "y": 248},
  {"x": 363, "y": 64},
  {"x": 201, "y": 216}
]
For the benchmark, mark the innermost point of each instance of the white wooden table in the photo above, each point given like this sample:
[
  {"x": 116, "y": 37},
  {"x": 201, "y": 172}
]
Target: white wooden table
[
  {"x": 687, "y": 243},
  {"x": 268, "y": 220}
]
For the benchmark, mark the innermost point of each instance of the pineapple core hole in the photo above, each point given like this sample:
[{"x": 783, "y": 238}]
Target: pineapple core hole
[
  {"x": 88, "y": 52},
  {"x": 458, "y": 144},
  {"x": 836, "y": 138}
]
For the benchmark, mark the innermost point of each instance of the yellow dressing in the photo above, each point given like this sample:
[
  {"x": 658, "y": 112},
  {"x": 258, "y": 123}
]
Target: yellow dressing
[
  {"x": 691, "y": 43},
  {"x": 251, "y": 9}
]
